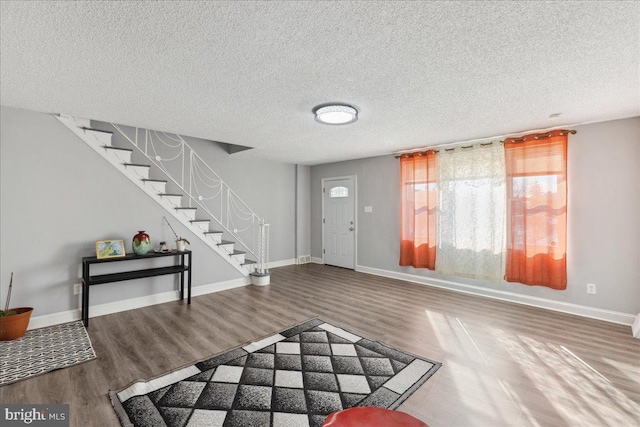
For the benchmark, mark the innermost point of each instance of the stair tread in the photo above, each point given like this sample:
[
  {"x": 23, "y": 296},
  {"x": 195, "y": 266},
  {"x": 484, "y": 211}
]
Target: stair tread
[
  {"x": 213, "y": 232},
  {"x": 200, "y": 220},
  {"x": 169, "y": 194},
  {"x": 109, "y": 147},
  {"x": 137, "y": 164},
  {"x": 96, "y": 130},
  {"x": 226, "y": 242},
  {"x": 237, "y": 252},
  {"x": 248, "y": 261},
  {"x": 154, "y": 180},
  {"x": 185, "y": 209}
]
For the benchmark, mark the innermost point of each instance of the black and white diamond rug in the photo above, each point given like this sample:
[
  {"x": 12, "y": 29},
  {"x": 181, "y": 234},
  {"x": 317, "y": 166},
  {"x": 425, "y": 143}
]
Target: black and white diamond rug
[
  {"x": 294, "y": 378},
  {"x": 44, "y": 350}
]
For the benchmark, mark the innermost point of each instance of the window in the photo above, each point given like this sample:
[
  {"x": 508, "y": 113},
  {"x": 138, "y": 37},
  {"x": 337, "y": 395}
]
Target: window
[
  {"x": 471, "y": 213},
  {"x": 536, "y": 168},
  {"x": 419, "y": 181},
  {"x": 339, "y": 192},
  {"x": 453, "y": 216}
]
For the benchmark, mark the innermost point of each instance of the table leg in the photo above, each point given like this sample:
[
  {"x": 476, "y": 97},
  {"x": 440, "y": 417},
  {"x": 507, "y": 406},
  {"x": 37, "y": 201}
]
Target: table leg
[
  {"x": 85, "y": 294},
  {"x": 189, "y": 283},
  {"x": 182, "y": 278}
]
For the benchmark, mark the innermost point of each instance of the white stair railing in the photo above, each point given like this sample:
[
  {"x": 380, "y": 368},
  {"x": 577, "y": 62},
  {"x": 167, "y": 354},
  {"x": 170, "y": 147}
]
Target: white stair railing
[
  {"x": 204, "y": 188},
  {"x": 262, "y": 265}
]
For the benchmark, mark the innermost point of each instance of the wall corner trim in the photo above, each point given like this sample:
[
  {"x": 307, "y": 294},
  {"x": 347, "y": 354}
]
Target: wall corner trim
[
  {"x": 635, "y": 328},
  {"x": 563, "y": 307}
]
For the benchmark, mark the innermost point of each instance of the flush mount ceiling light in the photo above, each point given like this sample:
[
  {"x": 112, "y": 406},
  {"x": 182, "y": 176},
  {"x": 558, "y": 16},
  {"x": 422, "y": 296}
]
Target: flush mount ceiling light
[{"x": 336, "y": 114}]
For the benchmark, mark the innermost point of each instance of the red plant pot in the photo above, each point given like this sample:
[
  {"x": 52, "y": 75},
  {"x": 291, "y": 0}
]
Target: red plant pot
[{"x": 14, "y": 327}]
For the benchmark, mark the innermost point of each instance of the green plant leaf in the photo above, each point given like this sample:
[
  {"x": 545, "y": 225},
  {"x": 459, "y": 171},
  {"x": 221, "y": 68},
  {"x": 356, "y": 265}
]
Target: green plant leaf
[{"x": 8, "y": 313}]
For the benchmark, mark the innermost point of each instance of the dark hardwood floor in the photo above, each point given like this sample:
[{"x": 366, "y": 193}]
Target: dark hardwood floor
[{"x": 504, "y": 364}]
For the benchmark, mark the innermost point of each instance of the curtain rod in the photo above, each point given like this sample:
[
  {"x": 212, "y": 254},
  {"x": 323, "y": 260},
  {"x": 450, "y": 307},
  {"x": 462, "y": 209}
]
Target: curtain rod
[{"x": 485, "y": 144}]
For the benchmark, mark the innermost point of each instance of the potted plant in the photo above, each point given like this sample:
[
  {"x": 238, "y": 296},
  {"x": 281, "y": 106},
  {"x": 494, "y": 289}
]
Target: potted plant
[
  {"x": 181, "y": 242},
  {"x": 13, "y": 321}
]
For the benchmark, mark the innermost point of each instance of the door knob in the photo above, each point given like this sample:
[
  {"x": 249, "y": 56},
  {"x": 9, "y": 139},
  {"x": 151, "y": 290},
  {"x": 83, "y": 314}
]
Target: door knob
[{"x": 350, "y": 228}]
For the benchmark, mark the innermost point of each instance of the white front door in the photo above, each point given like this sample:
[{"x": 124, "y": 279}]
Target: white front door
[{"x": 339, "y": 222}]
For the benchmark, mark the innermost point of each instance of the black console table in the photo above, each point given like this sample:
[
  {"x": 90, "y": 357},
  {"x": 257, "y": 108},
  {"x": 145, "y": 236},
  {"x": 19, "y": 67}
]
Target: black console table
[{"x": 89, "y": 280}]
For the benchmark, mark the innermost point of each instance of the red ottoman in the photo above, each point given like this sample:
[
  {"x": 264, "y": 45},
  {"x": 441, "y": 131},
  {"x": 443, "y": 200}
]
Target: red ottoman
[{"x": 367, "y": 416}]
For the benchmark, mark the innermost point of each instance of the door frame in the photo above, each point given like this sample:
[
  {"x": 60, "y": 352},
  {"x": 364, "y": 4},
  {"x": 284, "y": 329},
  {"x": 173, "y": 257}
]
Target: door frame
[{"x": 355, "y": 213}]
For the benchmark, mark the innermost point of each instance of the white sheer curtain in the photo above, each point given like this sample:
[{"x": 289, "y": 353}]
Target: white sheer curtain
[{"x": 471, "y": 214}]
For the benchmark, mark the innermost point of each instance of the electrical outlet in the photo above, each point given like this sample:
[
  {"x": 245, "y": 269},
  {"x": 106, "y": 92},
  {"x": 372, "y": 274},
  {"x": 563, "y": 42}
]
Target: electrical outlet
[
  {"x": 77, "y": 288},
  {"x": 591, "y": 288}
]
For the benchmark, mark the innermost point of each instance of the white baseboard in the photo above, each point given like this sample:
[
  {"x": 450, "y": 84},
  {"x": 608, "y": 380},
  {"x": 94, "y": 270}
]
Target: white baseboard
[
  {"x": 315, "y": 260},
  {"x": 282, "y": 263},
  {"x": 147, "y": 300},
  {"x": 635, "y": 328},
  {"x": 220, "y": 286},
  {"x": 133, "y": 303},
  {"x": 54, "y": 319},
  {"x": 564, "y": 307}
]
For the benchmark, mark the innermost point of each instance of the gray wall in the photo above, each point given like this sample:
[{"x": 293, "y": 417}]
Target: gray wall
[
  {"x": 58, "y": 196},
  {"x": 303, "y": 210},
  {"x": 603, "y": 218}
]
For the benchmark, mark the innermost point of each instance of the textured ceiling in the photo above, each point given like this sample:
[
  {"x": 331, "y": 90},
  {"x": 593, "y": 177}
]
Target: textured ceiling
[{"x": 249, "y": 73}]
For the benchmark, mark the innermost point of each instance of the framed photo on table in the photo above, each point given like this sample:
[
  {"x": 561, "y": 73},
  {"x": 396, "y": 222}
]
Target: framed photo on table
[{"x": 109, "y": 249}]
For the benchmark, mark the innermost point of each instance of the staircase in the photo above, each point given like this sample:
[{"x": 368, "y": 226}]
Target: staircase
[{"x": 199, "y": 198}]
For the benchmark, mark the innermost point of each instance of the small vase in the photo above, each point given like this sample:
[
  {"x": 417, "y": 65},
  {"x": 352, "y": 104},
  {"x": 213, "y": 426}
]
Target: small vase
[
  {"x": 141, "y": 243},
  {"x": 181, "y": 245}
]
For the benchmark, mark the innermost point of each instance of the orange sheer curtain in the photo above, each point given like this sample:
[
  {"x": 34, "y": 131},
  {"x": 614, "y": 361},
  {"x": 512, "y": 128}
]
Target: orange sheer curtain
[
  {"x": 419, "y": 191},
  {"x": 537, "y": 202}
]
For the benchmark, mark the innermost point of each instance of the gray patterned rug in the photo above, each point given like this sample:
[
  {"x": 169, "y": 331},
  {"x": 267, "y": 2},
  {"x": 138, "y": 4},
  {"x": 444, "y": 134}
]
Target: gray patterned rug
[
  {"x": 294, "y": 378},
  {"x": 44, "y": 350}
]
